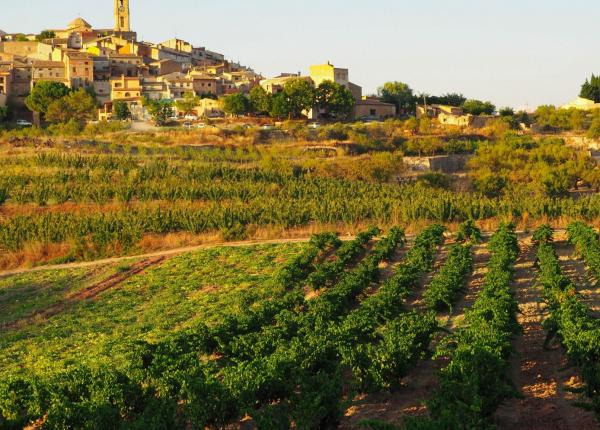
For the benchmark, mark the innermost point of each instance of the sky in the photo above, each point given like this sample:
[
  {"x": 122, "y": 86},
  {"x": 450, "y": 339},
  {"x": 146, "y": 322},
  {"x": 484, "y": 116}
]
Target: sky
[{"x": 519, "y": 53}]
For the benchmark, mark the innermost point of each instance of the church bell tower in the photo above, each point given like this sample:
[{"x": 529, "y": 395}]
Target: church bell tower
[{"x": 122, "y": 23}]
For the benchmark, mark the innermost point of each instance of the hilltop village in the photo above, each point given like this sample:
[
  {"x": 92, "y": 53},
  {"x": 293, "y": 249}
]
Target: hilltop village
[{"x": 120, "y": 68}]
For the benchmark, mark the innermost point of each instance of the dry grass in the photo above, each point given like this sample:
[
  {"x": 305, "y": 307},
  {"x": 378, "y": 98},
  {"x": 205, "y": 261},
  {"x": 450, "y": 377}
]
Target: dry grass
[{"x": 34, "y": 254}]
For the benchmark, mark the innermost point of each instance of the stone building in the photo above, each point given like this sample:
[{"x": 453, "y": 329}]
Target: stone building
[{"x": 373, "y": 108}]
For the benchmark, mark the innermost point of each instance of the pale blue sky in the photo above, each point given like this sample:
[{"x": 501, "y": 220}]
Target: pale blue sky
[{"x": 512, "y": 52}]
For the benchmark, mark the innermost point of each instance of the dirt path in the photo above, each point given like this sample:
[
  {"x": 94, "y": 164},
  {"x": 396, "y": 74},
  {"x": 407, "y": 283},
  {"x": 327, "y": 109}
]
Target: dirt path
[
  {"x": 541, "y": 375},
  {"x": 420, "y": 383},
  {"x": 86, "y": 294},
  {"x": 165, "y": 253},
  {"x": 577, "y": 271}
]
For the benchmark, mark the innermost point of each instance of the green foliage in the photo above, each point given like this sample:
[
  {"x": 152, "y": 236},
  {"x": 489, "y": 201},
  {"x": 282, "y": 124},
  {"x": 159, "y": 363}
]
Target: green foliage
[
  {"x": 591, "y": 89},
  {"x": 569, "y": 317},
  {"x": 71, "y": 127},
  {"x": 76, "y": 106},
  {"x": 478, "y": 107},
  {"x": 537, "y": 166},
  {"x": 468, "y": 232},
  {"x": 491, "y": 186},
  {"x": 399, "y": 94},
  {"x": 449, "y": 99},
  {"x": 279, "y": 107},
  {"x": 4, "y": 113},
  {"x": 188, "y": 103},
  {"x": 43, "y": 94},
  {"x": 328, "y": 272},
  {"x": 543, "y": 234},
  {"x": 594, "y": 129},
  {"x": 46, "y": 34},
  {"x": 424, "y": 146},
  {"x": 473, "y": 384},
  {"x": 159, "y": 110},
  {"x": 450, "y": 280},
  {"x": 436, "y": 180},
  {"x": 587, "y": 243},
  {"x": 335, "y": 99},
  {"x": 379, "y": 358},
  {"x": 121, "y": 110},
  {"x": 377, "y": 425},
  {"x": 507, "y": 111},
  {"x": 560, "y": 119},
  {"x": 261, "y": 102},
  {"x": 236, "y": 104},
  {"x": 299, "y": 96}
]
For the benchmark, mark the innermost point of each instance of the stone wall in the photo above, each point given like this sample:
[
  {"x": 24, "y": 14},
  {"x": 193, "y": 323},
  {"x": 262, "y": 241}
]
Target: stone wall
[{"x": 443, "y": 163}]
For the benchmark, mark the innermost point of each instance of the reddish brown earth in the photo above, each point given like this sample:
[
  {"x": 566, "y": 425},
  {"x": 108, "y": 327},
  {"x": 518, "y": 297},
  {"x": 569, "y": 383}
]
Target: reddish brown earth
[
  {"x": 88, "y": 293},
  {"x": 420, "y": 383},
  {"x": 578, "y": 272},
  {"x": 541, "y": 375}
]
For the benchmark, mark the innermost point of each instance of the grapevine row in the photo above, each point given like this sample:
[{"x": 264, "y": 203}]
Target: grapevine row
[
  {"x": 473, "y": 384},
  {"x": 587, "y": 243},
  {"x": 569, "y": 318},
  {"x": 171, "y": 385}
]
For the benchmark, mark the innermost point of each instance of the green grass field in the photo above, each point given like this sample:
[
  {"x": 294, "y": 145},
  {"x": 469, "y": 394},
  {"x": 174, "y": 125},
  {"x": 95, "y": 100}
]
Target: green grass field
[{"x": 200, "y": 286}]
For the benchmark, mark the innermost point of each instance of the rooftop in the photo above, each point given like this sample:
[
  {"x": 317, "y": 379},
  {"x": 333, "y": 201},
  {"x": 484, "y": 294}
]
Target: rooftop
[{"x": 78, "y": 23}]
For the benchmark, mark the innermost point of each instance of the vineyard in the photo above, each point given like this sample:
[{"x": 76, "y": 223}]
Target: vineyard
[
  {"x": 90, "y": 202},
  {"x": 306, "y": 335}
]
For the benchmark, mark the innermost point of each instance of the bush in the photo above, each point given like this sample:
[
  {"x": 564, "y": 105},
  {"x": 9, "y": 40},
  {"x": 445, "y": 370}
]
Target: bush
[
  {"x": 436, "y": 180},
  {"x": 491, "y": 186},
  {"x": 70, "y": 128}
]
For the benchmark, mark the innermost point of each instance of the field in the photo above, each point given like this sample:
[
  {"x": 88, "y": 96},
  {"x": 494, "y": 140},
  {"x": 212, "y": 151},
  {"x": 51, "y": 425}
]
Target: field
[
  {"x": 236, "y": 280},
  {"x": 429, "y": 331},
  {"x": 63, "y": 201}
]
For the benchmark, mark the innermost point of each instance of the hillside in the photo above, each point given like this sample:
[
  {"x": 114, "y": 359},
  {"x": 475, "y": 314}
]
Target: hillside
[{"x": 339, "y": 307}]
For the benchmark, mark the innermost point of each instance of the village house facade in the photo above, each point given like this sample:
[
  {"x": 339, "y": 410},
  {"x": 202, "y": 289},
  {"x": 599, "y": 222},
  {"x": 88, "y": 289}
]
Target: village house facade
[{"x": 117, "y": 66}]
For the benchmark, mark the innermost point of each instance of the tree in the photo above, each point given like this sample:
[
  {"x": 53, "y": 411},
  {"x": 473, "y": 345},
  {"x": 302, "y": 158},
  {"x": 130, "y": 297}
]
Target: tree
[
  {"x": 449, "y": 99},
  {"x": 78, "y": 106},
  {"x": 279, "y": 107},
  {"x": 591, "y": 89},
  {"x": 121, "y": 110},
  {"x": 4, "y": 113},
  {"x": 208, "y": 96},
  {"x": 43, "y": 94},
  {"x": 335, "y": 99},
  {"x": 491, "y": 185},
  {"x": 477, "y": 107},
  {"x": 261, "y": 101},
  {"x": 400, "y": 94},
  {"x": 236, "y": 104},
  {"x": 46, "y": 34},
  {"x": 507, "y": 111},
  {"x": 299, "y": 95},
  {"x": 159, "y": 110},
  {"x": 188, "y": 103},
  {"x": 21, "y": 38},
  {"x": 594, "y": 129}
]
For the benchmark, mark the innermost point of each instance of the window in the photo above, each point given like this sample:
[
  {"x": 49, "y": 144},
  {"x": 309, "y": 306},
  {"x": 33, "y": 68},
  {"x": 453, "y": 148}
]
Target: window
[{"x": 373, "y": 112}]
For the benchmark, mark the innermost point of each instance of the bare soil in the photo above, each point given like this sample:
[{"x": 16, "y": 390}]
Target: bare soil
[
  {"x": 576, "y": 269},
  {"x": 541, "y": 375},
  {"x": 409, "y": 400}
]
